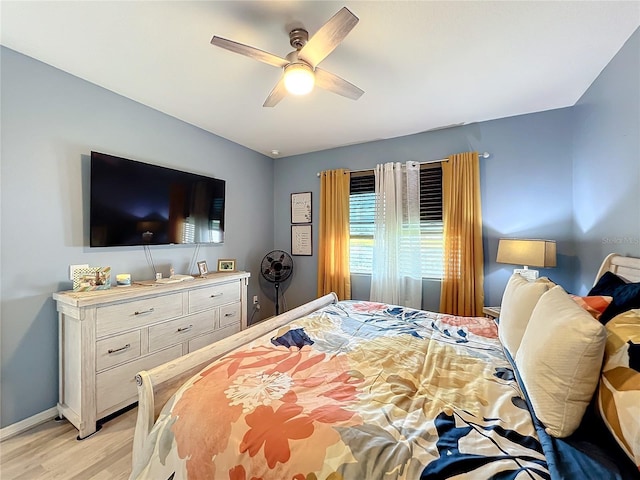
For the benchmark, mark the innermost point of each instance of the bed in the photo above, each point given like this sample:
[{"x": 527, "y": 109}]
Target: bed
[{"x": 362, "y": 390}]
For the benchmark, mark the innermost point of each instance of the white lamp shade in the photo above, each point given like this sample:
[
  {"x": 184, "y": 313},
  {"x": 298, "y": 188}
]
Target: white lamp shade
[
  {"x": 529, "y": 252},
  {"x": 298, "y": 78}
]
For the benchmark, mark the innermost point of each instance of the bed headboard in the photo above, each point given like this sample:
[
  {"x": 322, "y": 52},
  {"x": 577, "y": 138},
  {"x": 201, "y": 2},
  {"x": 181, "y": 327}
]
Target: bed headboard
[{"x": 625, "y": 267}]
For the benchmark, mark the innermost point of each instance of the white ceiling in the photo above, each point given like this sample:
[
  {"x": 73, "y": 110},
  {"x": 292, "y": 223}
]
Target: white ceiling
[{"x": 422, "y": 65}]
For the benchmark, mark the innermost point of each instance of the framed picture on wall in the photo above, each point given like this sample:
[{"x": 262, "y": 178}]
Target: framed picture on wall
[
  {"x": 301, "y": 240},
  {"x": 301, "y": 207}
]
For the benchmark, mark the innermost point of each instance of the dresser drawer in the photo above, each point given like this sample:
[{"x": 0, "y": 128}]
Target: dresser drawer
[
  {"x": 118, "y": 384},
  {"x": 114, "y": 350},
  {"x": 208, "y": 297},
  {"x": 229, "y": 315},
  {"x": 209, "y": 338},
  {"x": 180, "y": 330},
  {"x": 137, "y": 313}
]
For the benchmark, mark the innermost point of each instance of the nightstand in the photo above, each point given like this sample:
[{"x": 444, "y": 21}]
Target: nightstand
[{"x": 491, "y": 312}]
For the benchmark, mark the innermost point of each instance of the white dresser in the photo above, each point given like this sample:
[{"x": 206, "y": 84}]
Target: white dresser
[{"x": 107, "y": 336}]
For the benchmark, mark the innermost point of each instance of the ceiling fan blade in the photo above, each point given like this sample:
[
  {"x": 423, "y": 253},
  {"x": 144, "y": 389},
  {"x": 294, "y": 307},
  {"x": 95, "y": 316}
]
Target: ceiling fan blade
[
  {"x": 338, "y": 85},
  {"x": 277, "y": 94},
  {"x": 328, "y": 37},
  {"x": 251, "y": 52}
]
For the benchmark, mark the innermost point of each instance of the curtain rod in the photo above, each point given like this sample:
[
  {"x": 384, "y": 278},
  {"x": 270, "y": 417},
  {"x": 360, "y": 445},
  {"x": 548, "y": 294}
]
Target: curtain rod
[{"x": 480, "y": 155}]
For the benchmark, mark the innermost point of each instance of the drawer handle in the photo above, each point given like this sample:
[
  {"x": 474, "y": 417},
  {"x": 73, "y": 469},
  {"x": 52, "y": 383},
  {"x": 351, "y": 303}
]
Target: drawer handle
[
  {"x": 217, "y": 295},
  {"x": 116, "y": 350},
  {"x": 232, "y": 314},
  {"x": 184, "y": 329},
  {"x": 144, "y": 312}
]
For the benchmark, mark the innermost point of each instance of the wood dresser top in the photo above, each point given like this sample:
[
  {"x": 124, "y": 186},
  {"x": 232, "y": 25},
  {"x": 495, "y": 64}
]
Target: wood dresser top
[{"x": 141, "y": 289}]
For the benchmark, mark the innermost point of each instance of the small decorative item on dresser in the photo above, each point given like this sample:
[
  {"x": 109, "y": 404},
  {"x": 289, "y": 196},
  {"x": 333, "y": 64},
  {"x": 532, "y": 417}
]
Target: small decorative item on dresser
[
  {"x": 491, "y": 312},
  {"x": 227, "y": 265},
  {"x": 202, "y": 268},
  {"x": 91, "y": 278}
]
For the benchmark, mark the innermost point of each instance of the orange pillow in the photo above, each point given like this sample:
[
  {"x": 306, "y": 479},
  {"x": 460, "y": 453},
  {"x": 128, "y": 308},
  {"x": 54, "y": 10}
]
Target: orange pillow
[{"x": 595, "y": 304}]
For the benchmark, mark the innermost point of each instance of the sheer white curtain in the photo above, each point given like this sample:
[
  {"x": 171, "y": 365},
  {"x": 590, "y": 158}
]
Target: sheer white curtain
[{"x": 396, "y": 276}]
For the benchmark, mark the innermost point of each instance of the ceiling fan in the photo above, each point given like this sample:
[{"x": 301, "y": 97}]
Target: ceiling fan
[{"x": 300, "y": 66}]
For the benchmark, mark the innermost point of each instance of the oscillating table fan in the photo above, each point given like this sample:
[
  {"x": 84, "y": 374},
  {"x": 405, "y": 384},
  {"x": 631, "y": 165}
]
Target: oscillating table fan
[{"x": 276, "y": 267}]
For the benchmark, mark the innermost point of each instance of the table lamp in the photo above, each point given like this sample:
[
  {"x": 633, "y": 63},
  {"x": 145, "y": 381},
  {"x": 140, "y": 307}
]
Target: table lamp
[{"x": 527, "y": 252}]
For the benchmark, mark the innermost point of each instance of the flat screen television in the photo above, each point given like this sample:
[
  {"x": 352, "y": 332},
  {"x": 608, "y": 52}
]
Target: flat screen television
[{"x": 135, "y": 203}]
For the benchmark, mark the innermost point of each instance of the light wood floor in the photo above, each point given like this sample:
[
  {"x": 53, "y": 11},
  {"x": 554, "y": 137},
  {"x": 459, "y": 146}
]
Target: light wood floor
[{"x": 50, "y": 451}]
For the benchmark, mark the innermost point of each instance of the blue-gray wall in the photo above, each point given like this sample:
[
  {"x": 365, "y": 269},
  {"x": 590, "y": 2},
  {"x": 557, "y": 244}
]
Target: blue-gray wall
[
  {"x": 606, "y": 167},
  {"x": 544, "y": 179},
  {"x": 50, "y": 123},
  {"x": 526, "y": 191}
]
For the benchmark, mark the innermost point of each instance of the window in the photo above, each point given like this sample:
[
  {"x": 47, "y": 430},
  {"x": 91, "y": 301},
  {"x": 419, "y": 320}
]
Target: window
[{"x": 361, "y": 218}]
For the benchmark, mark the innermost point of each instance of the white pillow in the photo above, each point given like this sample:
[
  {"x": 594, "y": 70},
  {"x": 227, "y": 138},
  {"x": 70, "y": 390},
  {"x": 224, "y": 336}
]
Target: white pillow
[
  {"x": 559, "y": 361},
  {"x": 519, "y": 298}
]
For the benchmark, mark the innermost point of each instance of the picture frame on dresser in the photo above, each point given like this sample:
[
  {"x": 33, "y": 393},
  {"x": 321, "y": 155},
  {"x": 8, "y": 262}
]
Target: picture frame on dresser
[
  {"x": 202, "y": 268},
  {"x": 227, "y": 265},
  {"x": 91, "y": 278}
]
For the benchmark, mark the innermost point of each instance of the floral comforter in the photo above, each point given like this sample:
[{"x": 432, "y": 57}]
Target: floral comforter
[{"x": 355, "y": 391}]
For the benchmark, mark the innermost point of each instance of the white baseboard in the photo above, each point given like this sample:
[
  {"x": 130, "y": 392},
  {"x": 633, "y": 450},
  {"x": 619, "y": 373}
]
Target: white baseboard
[{"x": 24, "y": 425}]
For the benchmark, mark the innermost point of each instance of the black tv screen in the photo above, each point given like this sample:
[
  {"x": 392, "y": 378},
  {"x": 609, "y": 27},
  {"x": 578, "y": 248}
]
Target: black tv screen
[{"x": 135, "y": 203}]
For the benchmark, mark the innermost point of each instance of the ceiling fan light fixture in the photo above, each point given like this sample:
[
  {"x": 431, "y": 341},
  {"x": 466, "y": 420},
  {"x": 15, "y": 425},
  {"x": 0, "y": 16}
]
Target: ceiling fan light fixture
[{"x": 298, "y": 78}]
